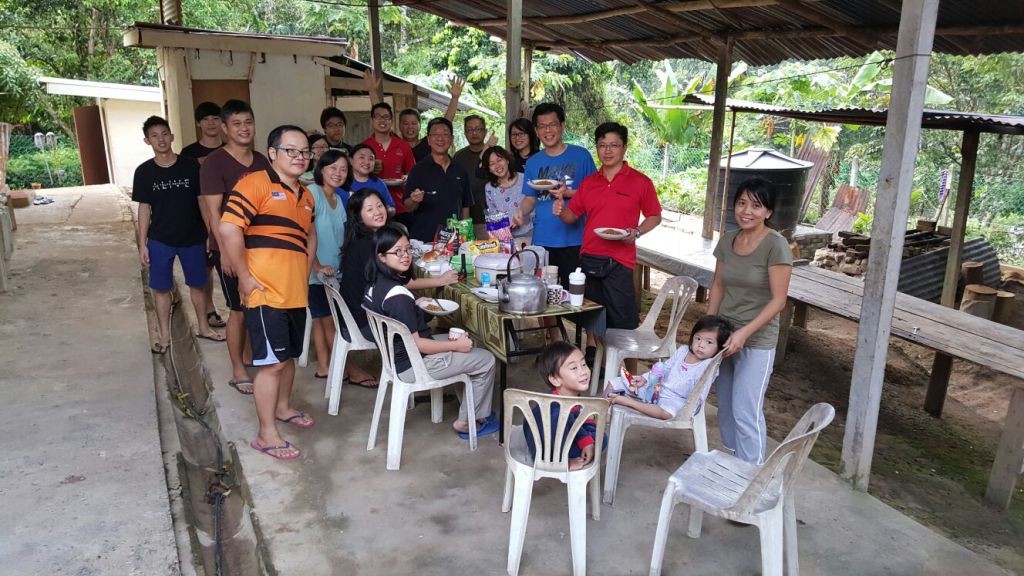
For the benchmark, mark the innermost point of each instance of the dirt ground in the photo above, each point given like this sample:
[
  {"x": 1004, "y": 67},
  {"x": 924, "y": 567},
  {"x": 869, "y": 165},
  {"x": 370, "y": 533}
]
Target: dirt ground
[{"x": 933, "y": 470}]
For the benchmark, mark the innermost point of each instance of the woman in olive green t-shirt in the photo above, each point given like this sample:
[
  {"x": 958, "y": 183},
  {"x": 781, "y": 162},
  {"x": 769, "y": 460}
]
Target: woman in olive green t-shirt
[{"x": 749, "y": 290}]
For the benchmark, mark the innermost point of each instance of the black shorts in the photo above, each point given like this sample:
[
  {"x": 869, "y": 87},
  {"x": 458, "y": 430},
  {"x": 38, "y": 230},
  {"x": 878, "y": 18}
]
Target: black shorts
[
  {"x": 275, "y": 334},
  {"x": 567, "y": 259},
  {"x": 229, "y": 286},
  {"x": 618, "y": 296}
]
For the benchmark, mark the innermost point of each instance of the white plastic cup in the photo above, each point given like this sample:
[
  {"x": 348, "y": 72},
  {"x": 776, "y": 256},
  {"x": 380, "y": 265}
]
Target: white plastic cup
[{"x": 456, "y": 333}]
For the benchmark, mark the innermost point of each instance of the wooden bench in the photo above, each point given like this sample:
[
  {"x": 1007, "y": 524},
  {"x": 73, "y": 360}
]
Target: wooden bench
[{"x": 931, "y": 325}]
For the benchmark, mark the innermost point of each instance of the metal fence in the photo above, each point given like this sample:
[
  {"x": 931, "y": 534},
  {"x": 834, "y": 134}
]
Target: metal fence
[{"x": 51, "y": 162}]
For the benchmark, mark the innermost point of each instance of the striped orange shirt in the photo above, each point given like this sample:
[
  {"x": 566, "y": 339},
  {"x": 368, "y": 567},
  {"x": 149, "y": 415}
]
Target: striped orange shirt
[{"x": 276, "y": 221}]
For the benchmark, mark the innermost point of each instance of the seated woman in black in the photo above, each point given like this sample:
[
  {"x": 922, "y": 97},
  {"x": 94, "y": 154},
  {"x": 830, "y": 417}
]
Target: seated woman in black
[{"x": 389, "y": 295}]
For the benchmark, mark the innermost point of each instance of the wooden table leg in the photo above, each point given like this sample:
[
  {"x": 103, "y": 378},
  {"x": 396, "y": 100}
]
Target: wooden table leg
[
  {"x": 502, "y": 384},
  {"x": 800, "y": 314},
  {"x": 938, "y": 383},
  {"x": 1009, "y": 462},
  {"x": 785, "y": 320}
]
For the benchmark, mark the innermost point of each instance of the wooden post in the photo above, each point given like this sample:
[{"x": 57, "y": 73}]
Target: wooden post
[
  {"x": 375, "y": 58},
  {"x": 513, "y": 66},
  {"x": 1004, "y": 307},
  {"x": 725, "y": 183},
  {"x": 902, "y": 133},
  {"x": 938, "y": 381},
  {"x": 979, "y": 300},
  {"x": 723, "y": 68},
  {"x": 785, "y": 323},
  {"x": 527, "y": 81},
  {"x": 1009, "y": 462}
]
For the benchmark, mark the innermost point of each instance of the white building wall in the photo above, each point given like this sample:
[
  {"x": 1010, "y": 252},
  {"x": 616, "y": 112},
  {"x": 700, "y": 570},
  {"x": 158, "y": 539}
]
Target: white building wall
[{"x": 122, "y": 127}]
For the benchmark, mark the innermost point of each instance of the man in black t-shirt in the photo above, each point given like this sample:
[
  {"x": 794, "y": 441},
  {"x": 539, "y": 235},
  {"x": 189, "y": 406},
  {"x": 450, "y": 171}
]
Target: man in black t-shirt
[
  {"x": 208, "y": 124},
  {"x": 437, "y": 187},
  {"x": 171, "y": 226}
]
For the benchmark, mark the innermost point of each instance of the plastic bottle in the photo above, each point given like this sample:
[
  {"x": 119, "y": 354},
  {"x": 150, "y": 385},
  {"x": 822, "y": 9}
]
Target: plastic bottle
[
  {"x": 485, "y": 279},
  {"x": 577, "y": 280}
]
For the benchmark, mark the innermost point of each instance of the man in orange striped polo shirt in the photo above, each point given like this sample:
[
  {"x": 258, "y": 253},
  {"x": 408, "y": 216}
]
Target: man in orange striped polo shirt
[{"x": 267, "y": 225}]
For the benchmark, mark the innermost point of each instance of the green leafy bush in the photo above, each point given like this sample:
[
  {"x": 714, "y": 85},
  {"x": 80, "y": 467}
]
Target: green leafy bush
[
  {"x": 683, "y": 191},
  {"x": 25, "y": 169},
  {"x": 862, "y": 224}
]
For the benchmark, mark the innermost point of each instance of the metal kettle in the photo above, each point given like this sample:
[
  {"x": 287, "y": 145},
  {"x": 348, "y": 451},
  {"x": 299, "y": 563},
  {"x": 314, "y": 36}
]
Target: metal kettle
[{"x": 521, "y": 293}]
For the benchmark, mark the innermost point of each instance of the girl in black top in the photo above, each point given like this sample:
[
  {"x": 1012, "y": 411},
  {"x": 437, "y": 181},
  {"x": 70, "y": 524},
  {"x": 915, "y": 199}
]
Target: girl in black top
[{"x": 522, "y": 142}]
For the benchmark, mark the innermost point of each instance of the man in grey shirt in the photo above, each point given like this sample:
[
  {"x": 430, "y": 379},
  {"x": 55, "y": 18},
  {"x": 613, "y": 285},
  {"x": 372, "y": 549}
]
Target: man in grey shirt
[{"x": 469, "y": 158}]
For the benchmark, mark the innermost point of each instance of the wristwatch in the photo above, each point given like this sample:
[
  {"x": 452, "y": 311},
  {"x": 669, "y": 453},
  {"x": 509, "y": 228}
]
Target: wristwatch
[{"x": 637, "y": 232}]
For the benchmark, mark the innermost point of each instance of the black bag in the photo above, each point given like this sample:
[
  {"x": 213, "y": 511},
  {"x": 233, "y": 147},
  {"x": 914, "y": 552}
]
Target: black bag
[{"x": 597, "y": 266}]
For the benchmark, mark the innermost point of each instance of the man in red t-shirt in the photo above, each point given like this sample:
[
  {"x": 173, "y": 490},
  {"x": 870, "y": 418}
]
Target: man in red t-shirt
[
  {"x": 613, "y": 197},
  {"x": 395, "y": 155}
]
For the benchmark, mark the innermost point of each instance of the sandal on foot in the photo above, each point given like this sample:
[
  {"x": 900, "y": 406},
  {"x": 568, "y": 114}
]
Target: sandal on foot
[
  {"x": 211, "y": 335},
  {"x": 236, "y": 383},
  {"x": 490, "y": 426},
  {"x": 319, "y": 375},
  {"x": 214, "y": 320},
  {"x": 365, "y": 383},
  {"x": 270, "y": 450},
  {"x": 158, "y": 348},
  {"x": 299, "y": 420}
]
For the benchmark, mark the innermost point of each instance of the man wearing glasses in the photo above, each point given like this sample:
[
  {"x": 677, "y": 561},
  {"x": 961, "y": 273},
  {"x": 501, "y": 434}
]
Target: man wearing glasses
[
  {"x": 267, "y": 232},
  {"x": 218, "y": 175},
  {"x": 395, "y": 156},
  {"x": 613, "y": 197},
  {"x": 333, "y": 123},
  {"x": 469, "y": 158},
  {"x": 438, "y": 188}
]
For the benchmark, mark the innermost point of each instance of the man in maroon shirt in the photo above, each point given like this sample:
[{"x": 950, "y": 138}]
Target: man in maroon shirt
[
  {"x": 217, "y": 177},
  {"x": 395, "y": 155},
  {"x": 613, "y": 197}
]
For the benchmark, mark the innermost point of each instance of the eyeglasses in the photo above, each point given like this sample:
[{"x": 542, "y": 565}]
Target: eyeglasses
[
  {"x": 400, "y": 252},
  {"x": 382, "y": 116},
  {"x": 334, "y": 125},
  {"x": 548, "y": 125},
  {"x": 517, "y": 134},
  {"x": 295, "y": 152},
  {"x": 475, "y": 130},
  {"x": 609, "y": 146}
]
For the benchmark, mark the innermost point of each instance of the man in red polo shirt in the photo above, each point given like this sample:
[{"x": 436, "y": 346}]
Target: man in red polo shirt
[
  {"x": 395, "y": 155},
  {"x": 613, "y": 197}
]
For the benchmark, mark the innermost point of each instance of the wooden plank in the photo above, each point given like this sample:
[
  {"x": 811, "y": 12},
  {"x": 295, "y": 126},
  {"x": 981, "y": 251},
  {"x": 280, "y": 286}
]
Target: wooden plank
[
  {"x": 722, "y": 67},
  {"x": 375, "y": 53},
  {"x": 356, "y": 85},
  {"x": 1009, "y": 461},
  {"x": 892, "y": 206},
  {"x": 153, "y": 38}
]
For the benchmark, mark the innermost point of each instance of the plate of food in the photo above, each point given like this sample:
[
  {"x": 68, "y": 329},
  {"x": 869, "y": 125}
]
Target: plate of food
[
  {"x": 486, "y": 294},
  {"x": 393, "y": 181},
  {"x": 612, "y": 233},
  {"x": 543, "y": 184},
  {"x": 437, "y": 306}
]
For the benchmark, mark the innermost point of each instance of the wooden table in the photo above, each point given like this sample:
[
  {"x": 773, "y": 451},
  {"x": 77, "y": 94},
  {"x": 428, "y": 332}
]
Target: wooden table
[
  {"x": 931, "y": 325},
  {"x": 495, "y": 330}
]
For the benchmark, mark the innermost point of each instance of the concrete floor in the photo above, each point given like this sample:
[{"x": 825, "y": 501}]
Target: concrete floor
[
  {"x": 337, "y": 510},
  {"x": 82, "y": 487}
]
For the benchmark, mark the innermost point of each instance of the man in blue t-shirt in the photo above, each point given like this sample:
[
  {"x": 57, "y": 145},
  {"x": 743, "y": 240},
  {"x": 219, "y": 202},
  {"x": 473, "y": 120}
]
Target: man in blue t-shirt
[{"x": 568, "y": 165}]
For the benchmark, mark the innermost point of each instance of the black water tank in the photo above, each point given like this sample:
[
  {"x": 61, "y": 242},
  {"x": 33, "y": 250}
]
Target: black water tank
[{"x": 788, "y": 175}]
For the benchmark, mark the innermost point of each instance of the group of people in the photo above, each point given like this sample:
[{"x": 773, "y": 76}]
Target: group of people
[{"x": 276, "y": 228}]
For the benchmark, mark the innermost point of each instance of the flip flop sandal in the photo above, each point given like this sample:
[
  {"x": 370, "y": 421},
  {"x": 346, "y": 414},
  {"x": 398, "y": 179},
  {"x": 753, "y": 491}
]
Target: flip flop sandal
[
  {"x": 268, "y": 450},
  {"x": 214, "y": 337},
  {"x": 159, "y": 348},
  {"x": 215, "y": 321},
  {"x": 294, "y": 418},
  {"x": 363, "y": 383},
  {"x": 490, "y": 426},
  {"x": 236, "y": 383},
  {"x": 319, "y": 375}
]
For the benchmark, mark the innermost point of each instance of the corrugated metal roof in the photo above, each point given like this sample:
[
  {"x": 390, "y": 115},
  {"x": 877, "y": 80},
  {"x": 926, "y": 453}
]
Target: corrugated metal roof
[
  {"x": 764, "y": 31},
  {"x": 933, "y": 119}
]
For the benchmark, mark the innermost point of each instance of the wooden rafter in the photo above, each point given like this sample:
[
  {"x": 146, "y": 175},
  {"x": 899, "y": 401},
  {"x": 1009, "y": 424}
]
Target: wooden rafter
[{"x": 670, "y": 7}]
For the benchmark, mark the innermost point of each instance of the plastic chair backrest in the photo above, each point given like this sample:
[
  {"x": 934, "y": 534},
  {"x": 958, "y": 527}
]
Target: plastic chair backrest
[
  {"x": 548, "y": 458},
  {"x": 681, "y": 290},
  {"x": 788, "y": 458},
  {"x": 337, "y": 304},
  {"x": 694, "y": 402},
  {"x": 385, "y": 330}
]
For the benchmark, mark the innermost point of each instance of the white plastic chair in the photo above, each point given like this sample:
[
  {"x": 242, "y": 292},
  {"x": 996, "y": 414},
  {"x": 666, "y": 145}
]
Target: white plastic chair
[
  {"x": 384, "y": 331},
  {"x": 690, "y": 416},
  {"x": 644, "y": 342},
  {"x": 339, "y": 355},
  {"x": 725, "y": 486},
  {"x": 550, "y": 463}
]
